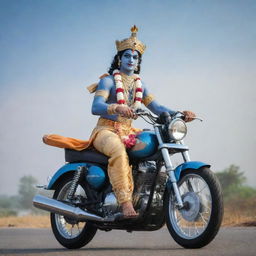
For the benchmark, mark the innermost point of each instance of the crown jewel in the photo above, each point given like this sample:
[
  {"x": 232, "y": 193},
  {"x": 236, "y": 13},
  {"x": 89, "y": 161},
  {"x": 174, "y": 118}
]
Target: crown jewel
[{"x": 131, "y": 43}]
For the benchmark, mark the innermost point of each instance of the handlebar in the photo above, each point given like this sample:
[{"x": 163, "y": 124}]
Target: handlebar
[
  {"x": 163, "y": 117},
  {"x": 179, "y": 114}
]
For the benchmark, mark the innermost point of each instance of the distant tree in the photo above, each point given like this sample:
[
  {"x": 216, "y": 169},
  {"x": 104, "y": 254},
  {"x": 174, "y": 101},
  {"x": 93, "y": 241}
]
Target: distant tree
[
  {"x": 5, "y": 201},
  {"x": 27, "y": 191},
  {"x": 232, "y": 181},
  {"x": 231, "y": 176},
  {"x": 9, "y": 202}
]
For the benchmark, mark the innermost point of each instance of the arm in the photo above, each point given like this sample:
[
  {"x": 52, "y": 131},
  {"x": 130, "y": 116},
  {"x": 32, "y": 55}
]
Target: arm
[
  {"x": 149, "y": 101},
  {"x": 99, "y": 105}
]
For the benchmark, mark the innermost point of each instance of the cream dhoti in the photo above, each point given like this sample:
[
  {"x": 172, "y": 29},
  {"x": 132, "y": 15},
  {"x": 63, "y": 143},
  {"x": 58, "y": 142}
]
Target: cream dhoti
[{"x": 107, "y": 138}]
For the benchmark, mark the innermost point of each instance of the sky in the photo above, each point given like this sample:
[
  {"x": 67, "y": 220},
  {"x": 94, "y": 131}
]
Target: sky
[{"x": 200, "y": 56}]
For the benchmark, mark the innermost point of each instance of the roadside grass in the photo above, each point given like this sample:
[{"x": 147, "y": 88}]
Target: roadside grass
[
  {"x": 240, "y": 212},
  {"x": 29, "y": 221}
]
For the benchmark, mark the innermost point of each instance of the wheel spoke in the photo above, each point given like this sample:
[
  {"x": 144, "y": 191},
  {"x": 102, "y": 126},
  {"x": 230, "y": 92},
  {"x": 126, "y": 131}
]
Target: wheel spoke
[
  {"x": 196, "y": 229},
  {"x": 71, "y": 231},
  {"x": 78, "y": 227},
  {"x": 198, "y": 192},
  {"x": 189, "y": 185},
  {"x": 68, "y": 228},
  {"x": 202, "y": 217},
  {"x": 192, "y": 222}
]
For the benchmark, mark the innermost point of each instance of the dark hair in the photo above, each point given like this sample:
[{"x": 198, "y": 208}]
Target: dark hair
[{"x": 115, "y": 61}]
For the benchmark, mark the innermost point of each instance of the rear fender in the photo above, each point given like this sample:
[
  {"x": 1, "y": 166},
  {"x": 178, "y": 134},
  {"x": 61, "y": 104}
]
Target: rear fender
[{"x": 64, "y": 170}]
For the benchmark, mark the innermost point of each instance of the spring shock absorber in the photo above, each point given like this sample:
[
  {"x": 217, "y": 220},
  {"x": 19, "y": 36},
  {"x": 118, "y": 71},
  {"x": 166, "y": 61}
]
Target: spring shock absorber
[{"x": 75, "y": 180}]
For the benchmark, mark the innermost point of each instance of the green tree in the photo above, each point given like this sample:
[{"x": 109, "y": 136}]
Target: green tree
[
  {"x": 232, "y": 181},
  {"x": 27, "y": 191},
  {"x": 5, "y": 201},
  {"x": 9, "y": 202},
  {"x": 231, "y": 176}
]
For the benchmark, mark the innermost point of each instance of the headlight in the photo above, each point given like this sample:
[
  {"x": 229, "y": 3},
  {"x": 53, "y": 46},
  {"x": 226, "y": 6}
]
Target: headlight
[{"x": 177, "y": 129}]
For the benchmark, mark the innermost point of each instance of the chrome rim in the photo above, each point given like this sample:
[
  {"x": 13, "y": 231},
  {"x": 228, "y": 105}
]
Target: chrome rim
[
  {"x": 192, "y": 221},
  {"x": 69, "y": 228}
]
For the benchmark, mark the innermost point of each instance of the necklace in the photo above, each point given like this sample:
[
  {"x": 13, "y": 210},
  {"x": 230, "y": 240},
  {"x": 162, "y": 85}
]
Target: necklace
[
  {"x": 129, "y": 88},
  {"x": 121, "y": 89}
]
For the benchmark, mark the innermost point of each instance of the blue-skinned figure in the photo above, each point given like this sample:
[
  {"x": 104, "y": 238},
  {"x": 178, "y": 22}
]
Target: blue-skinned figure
[{"x": 117, "y": 96}]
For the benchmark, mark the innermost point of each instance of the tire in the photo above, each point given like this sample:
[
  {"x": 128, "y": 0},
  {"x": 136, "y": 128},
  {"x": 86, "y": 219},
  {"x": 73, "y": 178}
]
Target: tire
[
  {"x": 67, "y": 231},
  {"x": 198, "y": 224}
]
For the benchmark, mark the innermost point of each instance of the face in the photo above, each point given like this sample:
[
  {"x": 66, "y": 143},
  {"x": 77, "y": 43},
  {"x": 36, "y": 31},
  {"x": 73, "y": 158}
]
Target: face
[{"x": 129, "y": 60}]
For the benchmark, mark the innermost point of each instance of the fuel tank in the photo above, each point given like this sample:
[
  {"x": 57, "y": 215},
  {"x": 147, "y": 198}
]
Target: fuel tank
[{"x": 145, "y": 146}]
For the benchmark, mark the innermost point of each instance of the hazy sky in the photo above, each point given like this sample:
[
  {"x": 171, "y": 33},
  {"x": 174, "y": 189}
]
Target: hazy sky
[{"x": 200, "y": 56}]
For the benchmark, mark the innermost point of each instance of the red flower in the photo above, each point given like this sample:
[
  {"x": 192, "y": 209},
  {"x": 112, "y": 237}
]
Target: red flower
[
  {"x": 138, "y": 99},
  {"x": 120, "y": 101},
  {"x": 130, "y": 141},
  {"x": 138, "y": 89},
  {"x": 119, "y": 90}
]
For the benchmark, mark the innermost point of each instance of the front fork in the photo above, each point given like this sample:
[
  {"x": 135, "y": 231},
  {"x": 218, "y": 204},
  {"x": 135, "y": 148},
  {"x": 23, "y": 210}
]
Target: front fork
[
  {"x": 170, "y": 171},
  {"x": 170, "y": 168}
]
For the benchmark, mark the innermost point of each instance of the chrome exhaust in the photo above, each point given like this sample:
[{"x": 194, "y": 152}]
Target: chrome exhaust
[{"x": 55, "y": 206}]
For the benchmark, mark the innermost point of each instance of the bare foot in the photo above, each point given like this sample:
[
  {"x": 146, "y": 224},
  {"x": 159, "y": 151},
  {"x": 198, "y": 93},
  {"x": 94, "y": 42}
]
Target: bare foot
[{"x": 128, "y": 210}]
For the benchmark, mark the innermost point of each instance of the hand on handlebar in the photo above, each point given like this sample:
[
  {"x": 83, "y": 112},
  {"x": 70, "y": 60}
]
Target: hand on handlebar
[
  {"x": 126, "y": 111},
  {"x": 188, "y": 115}
]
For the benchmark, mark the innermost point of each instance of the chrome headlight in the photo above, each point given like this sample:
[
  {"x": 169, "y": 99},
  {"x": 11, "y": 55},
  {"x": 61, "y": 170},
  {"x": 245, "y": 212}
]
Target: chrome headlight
[{"x": 177, "y": 129}]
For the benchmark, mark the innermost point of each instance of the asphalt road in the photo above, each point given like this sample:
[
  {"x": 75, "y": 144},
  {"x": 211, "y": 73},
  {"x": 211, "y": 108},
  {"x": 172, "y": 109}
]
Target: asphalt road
[{"x": 229, "y": 241}]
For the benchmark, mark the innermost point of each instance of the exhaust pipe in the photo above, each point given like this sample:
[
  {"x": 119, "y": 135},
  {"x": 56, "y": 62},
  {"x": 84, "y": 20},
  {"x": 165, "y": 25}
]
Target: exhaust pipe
[{"x": 54, "y": 206}]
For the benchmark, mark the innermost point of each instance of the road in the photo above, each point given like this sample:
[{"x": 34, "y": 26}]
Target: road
[{"x": 30, "y": 242}]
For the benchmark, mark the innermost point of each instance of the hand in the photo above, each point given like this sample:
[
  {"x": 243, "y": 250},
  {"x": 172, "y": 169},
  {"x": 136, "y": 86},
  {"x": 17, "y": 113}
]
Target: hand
[
  {"x": 188, "y": 115},
  {"x": 125, "y": 111}
]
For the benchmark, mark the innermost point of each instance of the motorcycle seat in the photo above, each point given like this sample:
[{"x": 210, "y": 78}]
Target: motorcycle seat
[{"x": 88, "y": 155}]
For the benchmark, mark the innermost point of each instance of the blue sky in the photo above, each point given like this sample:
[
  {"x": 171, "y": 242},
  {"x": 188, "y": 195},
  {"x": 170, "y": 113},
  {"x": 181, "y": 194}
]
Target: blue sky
[{"x": 200, "y": 56}]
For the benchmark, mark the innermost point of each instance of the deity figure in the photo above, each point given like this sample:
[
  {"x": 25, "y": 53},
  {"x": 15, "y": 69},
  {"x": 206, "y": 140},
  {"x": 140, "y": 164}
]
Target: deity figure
[{"x": 117, "y": 96}]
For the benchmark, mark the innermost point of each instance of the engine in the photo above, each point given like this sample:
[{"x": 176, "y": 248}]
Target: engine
[{"x": 144, "y": 175}]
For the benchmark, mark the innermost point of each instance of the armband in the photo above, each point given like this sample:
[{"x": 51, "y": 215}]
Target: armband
[
  {"x": 102, "y": 93},
  {"x": 148, "y": 99}
]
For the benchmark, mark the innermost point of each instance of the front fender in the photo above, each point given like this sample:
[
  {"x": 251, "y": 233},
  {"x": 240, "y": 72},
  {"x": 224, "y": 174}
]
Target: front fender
[
  {"x": 70, "y": 167},
  {"x": 188, "y": 165}
]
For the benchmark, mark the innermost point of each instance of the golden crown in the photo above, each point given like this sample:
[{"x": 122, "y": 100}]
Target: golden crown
[{"x": 131, "y": 43}]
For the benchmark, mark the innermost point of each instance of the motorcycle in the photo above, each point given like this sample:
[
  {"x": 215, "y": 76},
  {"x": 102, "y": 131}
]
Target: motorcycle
[{"x": 187, "y": 198}]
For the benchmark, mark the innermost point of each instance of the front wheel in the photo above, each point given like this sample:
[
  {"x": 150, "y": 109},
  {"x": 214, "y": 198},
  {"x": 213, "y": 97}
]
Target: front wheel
[
  {"x": 198, "y": 222},
  {"x": 69, "y": 232}
]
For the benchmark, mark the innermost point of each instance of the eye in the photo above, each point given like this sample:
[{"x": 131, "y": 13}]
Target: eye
[
  {"x": 127, "y": 55},
  {"x": 135, "y": 57}
]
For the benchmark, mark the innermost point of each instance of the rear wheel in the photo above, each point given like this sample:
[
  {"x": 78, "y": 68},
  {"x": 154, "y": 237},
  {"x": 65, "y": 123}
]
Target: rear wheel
[
  {"x": 198, "y": 223},
  {"x": 69, "y": 232}
]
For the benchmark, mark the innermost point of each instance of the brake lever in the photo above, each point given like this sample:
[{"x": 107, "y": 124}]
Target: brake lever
[
  {"x": 182, "y": 116},
  {"x": 198, "y": 118}
]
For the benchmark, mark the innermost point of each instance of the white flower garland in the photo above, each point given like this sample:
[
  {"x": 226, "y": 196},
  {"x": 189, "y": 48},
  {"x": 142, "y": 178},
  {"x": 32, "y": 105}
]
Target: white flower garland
[{"x": 120, "y": 90}]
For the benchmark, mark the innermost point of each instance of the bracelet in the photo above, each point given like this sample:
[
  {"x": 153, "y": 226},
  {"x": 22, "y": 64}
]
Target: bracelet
[{"x": 112, "y": 109}]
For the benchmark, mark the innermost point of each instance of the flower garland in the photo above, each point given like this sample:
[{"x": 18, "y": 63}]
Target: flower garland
[
  {"x": 120, "y": 89},
  {"x": 130, "y": 140}
]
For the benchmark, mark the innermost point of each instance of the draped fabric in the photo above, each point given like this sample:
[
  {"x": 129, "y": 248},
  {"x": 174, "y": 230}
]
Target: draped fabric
[
  {"x": 107, "y": 139},
  {"x": 123, "y": 128}
]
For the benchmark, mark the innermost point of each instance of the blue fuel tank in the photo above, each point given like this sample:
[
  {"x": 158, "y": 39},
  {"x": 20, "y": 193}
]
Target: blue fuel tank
[{"x": 146, "y": 145}]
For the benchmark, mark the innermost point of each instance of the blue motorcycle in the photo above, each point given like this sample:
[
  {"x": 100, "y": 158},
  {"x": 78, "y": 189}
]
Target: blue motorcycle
[{"x": 186, "y": 198}]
